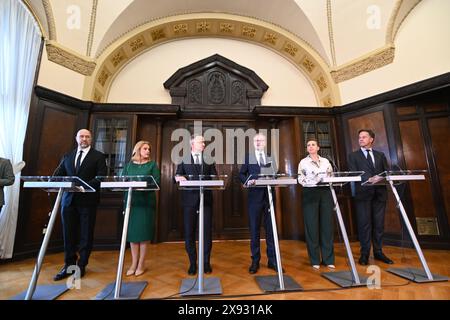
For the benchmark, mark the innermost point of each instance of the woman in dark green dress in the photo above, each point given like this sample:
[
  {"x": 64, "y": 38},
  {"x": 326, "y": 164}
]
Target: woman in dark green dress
[{"x": 141, "y": 226}]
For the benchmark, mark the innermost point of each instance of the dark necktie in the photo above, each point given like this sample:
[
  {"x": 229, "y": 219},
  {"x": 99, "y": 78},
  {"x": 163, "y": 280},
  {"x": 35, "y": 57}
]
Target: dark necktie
[
  {"x": 369, "y": 158},
  {"x": 197, "y": 160},
  {"x": 261, "y": 159},
  {"x": 78, "y": 163}
]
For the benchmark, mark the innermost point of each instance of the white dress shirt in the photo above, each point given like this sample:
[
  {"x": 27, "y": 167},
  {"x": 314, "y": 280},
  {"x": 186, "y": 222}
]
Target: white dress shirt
[
  {"x": 83, "y": 155},
  {"x": 311, "y": 172},
  {"x": 195, "y": 158},
  {"x": 364, "y": 150},
  {"x": 257, "y": 153}
]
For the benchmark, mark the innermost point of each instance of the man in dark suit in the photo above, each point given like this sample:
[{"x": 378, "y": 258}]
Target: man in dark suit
[
  {"x": 370, "y": 201},
  {"x": 196, "y": 165},
  {"x": 78, "y": 209},
  {"x": 6, "y": 178},
  {"x": 255, "y": 163}
]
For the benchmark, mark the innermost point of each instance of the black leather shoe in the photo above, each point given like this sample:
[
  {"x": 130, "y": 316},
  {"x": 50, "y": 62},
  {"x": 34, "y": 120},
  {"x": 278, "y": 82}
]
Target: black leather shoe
[
  {"x": 207, "y": 268},
  {"x": 62, "y": 274},
  {"x": 382, "y": 257},
  {"x": 192, "y": 270},
  {"x": 364, "y": 260},
  {"x": 254, "y": 267},
  {"x": 273, "y": 266}
]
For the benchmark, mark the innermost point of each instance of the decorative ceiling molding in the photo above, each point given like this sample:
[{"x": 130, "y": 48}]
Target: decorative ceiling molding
[
  {"x": 50, "y": 19},
  {"x": 382, "y": 56},
  {"x": 287, "y": 45},
  {"x": 91, "y": 27},
  {"x": 104, "y": 47},
  {"x": 391, "y": 23},
  {"x": 330, "y": 32},
  {"x": 35, "y": 17},
  {"x": 374, "y": 60},
  {"x": 69, "y": 59},
  {"x": 404, "y": 18}
]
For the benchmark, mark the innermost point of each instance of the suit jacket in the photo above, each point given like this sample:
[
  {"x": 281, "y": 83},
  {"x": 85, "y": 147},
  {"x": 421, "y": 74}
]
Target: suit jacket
[
  {"x": 251, "y": 167},
  {"x": 94, "y": 164},
  {"x": 187, "y": 167},
  {"x": 6, "y": 177},
  {"x": 357, "y": 161}
]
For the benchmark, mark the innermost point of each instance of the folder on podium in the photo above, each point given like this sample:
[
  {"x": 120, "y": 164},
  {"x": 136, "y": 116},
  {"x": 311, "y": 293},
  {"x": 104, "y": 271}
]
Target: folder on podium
[
  {"x": 280, "y": 282},
  {"x": 201, "y": 286},
  {"x": 393, "y": 178},
  {"x": 49, "y": 184},
  {"x": 118, "y": 289},
  {"x": 342, "y": 278}
]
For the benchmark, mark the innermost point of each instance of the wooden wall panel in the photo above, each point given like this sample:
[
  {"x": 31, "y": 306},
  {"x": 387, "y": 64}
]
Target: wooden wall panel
[
  {"x": 415, "y": 158},
  {"x": 51, "y": 133},
  {"x": 170, "y": 225},
  {"x": 233, "y": 222},
  {"x": 291, "y": 204},
  {"x": 440, "y": 132},
  {"x": 374, "y": 121},
  {"x": 56, "y": 139},
  {"x": 147, "y": 130}
]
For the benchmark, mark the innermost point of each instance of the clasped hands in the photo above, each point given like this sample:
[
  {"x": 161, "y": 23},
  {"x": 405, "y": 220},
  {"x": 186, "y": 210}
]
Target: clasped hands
[
  {"x": 180, "y": 178},
  {"x": 375, "y": 179}
]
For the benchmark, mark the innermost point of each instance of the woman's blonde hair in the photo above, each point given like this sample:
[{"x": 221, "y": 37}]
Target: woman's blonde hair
[{"x": 136, "y": 156}]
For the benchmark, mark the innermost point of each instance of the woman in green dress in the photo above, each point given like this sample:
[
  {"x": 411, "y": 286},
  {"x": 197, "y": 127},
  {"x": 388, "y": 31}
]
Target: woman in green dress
[{"x": 141, "y": 226}]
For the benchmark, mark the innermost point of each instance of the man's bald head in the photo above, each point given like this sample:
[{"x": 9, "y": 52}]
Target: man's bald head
[{"x": 84, "y": 138}]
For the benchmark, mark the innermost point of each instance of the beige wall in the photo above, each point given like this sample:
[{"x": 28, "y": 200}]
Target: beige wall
[
  {"x": 141, "y": 81},
  {"x": 422, "y": 51},
  {"x": 58, "y": 78}
]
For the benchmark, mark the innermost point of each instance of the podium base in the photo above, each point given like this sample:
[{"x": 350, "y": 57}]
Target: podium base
[
  {"x": 44, "y": 292},
  {"x": 416, "y": 275},
  {"x": 344, "y": 279},
  {"x": 128, "y": 291},
  {"x": 272, "y": 284},
  {"x": 210, "y": 286}
]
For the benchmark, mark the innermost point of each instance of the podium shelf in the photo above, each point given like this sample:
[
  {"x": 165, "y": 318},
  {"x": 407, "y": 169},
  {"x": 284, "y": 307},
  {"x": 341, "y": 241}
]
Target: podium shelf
[{"x": 204, "y": 183}]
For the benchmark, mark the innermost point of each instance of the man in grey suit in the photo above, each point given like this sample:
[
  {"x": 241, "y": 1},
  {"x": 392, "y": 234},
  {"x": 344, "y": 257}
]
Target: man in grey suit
[{"x": 6, "y": 178}]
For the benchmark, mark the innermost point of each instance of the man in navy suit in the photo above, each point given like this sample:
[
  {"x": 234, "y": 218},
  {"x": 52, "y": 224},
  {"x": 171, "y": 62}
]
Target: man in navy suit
[
  {"x": 370, "y": 201},
  {"x": 196, "y": 165},
  {"x": 78, "y": 209},
  {"x": 255, "y": 163}
]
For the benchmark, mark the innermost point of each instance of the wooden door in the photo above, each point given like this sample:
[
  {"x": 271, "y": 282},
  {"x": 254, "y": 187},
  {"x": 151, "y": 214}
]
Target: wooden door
[{"x": 230, "y": 220}]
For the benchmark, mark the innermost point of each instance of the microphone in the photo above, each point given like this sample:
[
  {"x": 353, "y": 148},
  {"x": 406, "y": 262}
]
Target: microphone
[
  {"x": 56, "y": 171},
  {"x": 201, "y": 165},
  {"x": 270, "y": 165},
  {"x": 400, "y": 169},
  {"x": 335, "y": 167}
]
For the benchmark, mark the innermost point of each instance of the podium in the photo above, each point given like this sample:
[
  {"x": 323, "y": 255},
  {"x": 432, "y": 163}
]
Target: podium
[
  {"x": 200, "y": 285},
  {"x": 280, "y": 282},
  {"x": 392, "y": 178},
  {"x": 350, "y": 278},
  {"x": 50, "y": 184},
  {"x": 125, "y": 290}
]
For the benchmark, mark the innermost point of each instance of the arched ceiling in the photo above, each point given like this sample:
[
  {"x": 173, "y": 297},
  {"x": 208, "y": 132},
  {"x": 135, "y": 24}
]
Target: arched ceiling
[
  {"x": 288, "y": 16},
  {"x": 338, "y": 30},
  {"x": 343, "y": 34}
]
